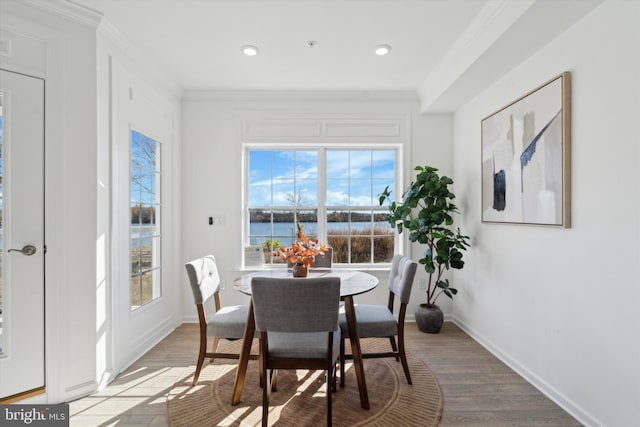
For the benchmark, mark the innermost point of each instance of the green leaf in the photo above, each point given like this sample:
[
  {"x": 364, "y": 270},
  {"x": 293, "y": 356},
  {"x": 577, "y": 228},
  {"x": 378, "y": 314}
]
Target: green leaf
[
  {"x": 457, "y": 264},
  {"x": 384, "y": 195},
  {"x": 443, "y": 284}
]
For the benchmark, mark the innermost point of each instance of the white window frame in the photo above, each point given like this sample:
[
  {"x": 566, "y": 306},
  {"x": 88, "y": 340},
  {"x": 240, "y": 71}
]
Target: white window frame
[
  {"x": 321, "y": 206},
  {"x": 157, "y": 237}
]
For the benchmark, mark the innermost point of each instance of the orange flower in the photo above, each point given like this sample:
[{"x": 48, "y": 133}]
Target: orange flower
[{"x": 305, "y": 250}]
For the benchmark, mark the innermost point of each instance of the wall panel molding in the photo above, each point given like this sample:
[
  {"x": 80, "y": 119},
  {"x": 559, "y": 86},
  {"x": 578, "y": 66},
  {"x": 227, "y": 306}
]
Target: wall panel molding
[
  {"x": 367, "y": 128},
  {"x": 292, "y": 128},
  {"x": 323, "y": 127},
  {"x": 300, "y": 95}
]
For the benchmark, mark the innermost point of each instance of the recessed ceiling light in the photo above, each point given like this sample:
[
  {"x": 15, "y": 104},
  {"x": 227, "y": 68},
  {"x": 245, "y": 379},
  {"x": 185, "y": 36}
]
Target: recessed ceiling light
[
  {"x": 250, "y": 50},
  {"x": 382, "y": 49}
]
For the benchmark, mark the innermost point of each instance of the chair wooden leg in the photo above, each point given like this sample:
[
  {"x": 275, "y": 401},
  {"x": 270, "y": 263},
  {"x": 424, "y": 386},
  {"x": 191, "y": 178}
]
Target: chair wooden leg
[
  {"x": 266, "y": 390},
  {"x": 341, "y": 362},
  {"x": 329, "y": 393},
  {"x": 198, "y": 369},
  {"x": 261, "y": 368},
  {"x": 214, "y": 347},
  {"x": 334, "y": 376},
  {"x": 201, "y": 355},
  {"x": 392, "y": 340},
  {"x": 403, "y": 358}
]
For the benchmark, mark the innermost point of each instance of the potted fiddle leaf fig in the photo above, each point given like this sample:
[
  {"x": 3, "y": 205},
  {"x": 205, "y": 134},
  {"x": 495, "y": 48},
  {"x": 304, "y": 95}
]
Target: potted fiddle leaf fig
[{"x": 425, "y": 212}]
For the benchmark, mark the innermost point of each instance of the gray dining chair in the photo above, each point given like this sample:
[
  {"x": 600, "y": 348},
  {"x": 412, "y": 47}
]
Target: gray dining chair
[
  {"x": 226, "y": 322},
  {"x": 377, "y": 321},
  {"x": 298, "y": 324},
  {"x": 325, "y": 261}
]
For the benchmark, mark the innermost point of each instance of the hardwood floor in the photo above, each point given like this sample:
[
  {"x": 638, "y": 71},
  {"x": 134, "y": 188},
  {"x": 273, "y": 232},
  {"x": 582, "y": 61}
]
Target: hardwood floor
[{"x": 478, "y": 389}]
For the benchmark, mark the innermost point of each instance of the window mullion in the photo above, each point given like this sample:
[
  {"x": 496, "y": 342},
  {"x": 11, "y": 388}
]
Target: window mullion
[
  {"x": 322, "y": 195},
  {"x": 349, "y": 188}
]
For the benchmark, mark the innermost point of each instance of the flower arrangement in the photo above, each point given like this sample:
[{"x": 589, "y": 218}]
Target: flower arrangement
[{"x": 303, "y": 251}]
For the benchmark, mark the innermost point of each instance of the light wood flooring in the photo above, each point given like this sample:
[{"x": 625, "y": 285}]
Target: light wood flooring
[{"x": 478, "y": 389}]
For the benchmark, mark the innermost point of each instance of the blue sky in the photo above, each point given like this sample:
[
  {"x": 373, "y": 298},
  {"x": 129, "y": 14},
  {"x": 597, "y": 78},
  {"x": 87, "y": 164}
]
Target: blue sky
[
  {"x": 144, "y": 155},
  {"x": 354, "y": 177}
]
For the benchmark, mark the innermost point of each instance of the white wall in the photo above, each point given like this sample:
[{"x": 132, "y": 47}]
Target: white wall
[
  {"x": 561, "y": 305},
  {"x": 212, "y": 169},
  {"x": 69, "y": 59},
  {"x": 133, "y": 94},
  {"x": 78, "y": 170}
]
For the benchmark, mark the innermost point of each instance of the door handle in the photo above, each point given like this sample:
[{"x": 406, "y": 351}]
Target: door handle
[{"x": 27, "y": 250}]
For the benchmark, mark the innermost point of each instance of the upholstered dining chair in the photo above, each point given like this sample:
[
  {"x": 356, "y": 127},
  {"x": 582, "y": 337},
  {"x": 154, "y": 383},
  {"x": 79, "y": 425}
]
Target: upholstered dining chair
[
  {"x": 298, "y": 324},
  {"x": 377, "y": 321},
  {"x": 226, "y": 322},
  {"x": 325, "y": 261}
]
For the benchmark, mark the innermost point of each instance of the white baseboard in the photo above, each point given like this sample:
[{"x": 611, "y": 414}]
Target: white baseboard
[
  {"x": 150, "y": 339},
  {"x": 80, "y": 390},
  {"x": 190, "y": 319},
  {"x": 547, "y": 389}
]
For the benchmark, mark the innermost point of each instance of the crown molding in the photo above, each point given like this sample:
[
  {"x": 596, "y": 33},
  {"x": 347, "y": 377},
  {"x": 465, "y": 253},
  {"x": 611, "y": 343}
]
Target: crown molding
[
  {"x": 69, "y": 10},
  {"x": 299, "y": 95},
  {"x": 138, "y": 57}
]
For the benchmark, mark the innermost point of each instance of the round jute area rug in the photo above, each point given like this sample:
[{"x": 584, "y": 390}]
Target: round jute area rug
[{"x": 301, "y": 396}]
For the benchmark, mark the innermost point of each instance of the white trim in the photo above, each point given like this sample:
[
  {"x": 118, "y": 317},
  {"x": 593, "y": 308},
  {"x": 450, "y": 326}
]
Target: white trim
[
  {"x": 158, "y": 203},
  {"x": 300, "y": 95},
  {"x": 139, "y": 59},
  {"x": 321, "y": 206},
  {"x": 69, "y": 10},
  {"x": 287, "y": 123},
  {"x": 147, "y": 342},
  {"x": 137, "y": 105},
  {"x": 548, "y": 390},
  {"x": 322, "y": 127},
  {"x": 80, "y": 390},
  {"x": 36, "y": 22}
]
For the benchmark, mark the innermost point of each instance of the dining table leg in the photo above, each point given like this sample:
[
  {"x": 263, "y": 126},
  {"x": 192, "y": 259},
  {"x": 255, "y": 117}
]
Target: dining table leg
[
  {"x": 350, "y": 314},
  {"x": 245, "y": 352}
]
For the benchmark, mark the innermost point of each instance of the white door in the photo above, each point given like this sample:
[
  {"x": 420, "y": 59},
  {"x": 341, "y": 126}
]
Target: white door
[{"x": 22, "y": 235}]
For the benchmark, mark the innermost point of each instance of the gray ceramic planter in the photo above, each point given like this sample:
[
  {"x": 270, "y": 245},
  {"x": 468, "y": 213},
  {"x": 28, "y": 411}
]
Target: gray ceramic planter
[{"x": 429, "y": 319}]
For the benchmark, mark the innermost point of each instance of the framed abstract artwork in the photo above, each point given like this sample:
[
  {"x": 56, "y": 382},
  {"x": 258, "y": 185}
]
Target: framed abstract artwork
[{"x": 526, "y": 158}]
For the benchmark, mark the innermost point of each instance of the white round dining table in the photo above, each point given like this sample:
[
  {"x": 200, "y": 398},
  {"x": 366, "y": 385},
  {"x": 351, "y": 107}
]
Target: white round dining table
[{"x": 352, "y": 282}]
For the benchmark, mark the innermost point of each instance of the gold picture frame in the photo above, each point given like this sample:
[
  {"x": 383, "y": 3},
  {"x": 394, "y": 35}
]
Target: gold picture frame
[{"x": 526, "y": 158}]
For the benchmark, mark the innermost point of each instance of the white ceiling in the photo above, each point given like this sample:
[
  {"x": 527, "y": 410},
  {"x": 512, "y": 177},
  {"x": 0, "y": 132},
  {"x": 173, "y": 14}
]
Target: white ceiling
[{"x": 198, "y": 43}]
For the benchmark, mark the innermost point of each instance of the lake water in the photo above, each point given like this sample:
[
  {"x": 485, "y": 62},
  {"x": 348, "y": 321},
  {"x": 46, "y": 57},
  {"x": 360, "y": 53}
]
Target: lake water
[
  {"x": 143, "y": 233},
  {"x": 286, "y": 231}
]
